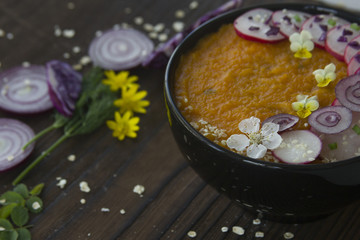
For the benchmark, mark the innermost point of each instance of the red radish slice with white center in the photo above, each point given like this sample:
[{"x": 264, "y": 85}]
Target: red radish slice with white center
[
  {"x": 298, "y": 147},
  {"x": 354, "y": 65},
  {"x": 24, "y": 90},
  {"x": 351, "y": 49},
  {"x": 289, "y": 21},
  {"x": 13, "y": 136},
  {"x": 284, "y": 120},
  {"x": 347, "y": 92},
  {"x": 319, "y": 25},
  {"x": 120, "y": 49},
  {"x": 256, "y": 25},
  {"x": 338, "y": 38},
  {"x": 331, "y": 120}
]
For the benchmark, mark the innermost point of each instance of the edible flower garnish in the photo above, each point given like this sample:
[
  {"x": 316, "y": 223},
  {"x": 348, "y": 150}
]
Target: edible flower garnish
[
  {"x": 131, "y": 100},
  {"x": 256, "y": 141},
  {"x": 326, "y": 75},
  {"x": 305, "y": 105},
  {"x": 124, "y": 126},
  {"x": 301, "y": 44},
  {"x": 118, "y": 81}
]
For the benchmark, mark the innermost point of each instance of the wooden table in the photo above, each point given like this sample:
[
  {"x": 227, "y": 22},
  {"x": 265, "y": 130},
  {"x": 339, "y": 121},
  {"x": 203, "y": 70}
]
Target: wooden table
[{"x": 175, "y": 200}]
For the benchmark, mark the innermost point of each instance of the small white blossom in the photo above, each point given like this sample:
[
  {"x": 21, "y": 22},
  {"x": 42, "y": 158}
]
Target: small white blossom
[
  {"x": 301, "y": 44},
  {"x": 256, "y": 141},
  {"x": 326, "y": 75}
]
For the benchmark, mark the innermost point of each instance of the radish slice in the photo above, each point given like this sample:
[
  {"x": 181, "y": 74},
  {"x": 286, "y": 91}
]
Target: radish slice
[
  {"x": 354, "y": 65},
  {"x": 318, "y": 26},
  {"x": 347, "y": 92},
  {"x": 64, "y": 86},
  {"x": 289, "y": 21},
  {"x": 351, "y": 49},
  {"x": 338, "y": 38},
  {"x": 13, "y": 136},
  {"x": 284, "y": 120},
  {"x": 330, "y": 120},
  {"x": 120, "y": 49},
  {"x": 256, "y": 25},
  {"x": 24, "y": 90},
  {"x": 298, "y": 147}
]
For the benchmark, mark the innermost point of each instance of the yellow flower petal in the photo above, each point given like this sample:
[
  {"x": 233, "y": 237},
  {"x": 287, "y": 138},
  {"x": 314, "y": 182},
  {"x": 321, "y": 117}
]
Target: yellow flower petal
[
  {"x": 303, "y": 113},
  {"x": 303, "y": 53}
]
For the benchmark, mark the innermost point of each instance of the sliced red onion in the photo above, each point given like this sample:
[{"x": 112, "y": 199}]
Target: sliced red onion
[
  {"x": 318, "y": 26},
  {"x": 338, "y": 38},
  {"x": 64, "y": 86},
  {"x": 13, "y": 136},
  {"x": 348, "y": 92},
  {"x": 331, "y": 119},
  {"x": 24, "y": 90},
  {"x": 298, "y": 147},
  {"x": 284, "y": 120},
  {"x": 289, "y": 21},
  {"x": 351, "y": 49},
  {"x": 354, "y": 65},
  {"x": 120, "y": 49},
  {"x": 161, "y": 55},
  {"x": 257, "y": 18}
]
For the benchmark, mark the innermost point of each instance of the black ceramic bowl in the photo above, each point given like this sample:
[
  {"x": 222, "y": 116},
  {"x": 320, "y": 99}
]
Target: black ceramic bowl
[{"x": 281, "y": 192}]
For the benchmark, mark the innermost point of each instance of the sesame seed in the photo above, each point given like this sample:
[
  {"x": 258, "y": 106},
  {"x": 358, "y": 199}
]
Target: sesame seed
[
  {"x": 159, "y": 27},
  {"x": 238, "y": 230},
  {"x": 193, "y": 5},
  {"x": 68, "y": 33},
  {"x": 76, "y": 49},
  {"x": 224, "y": 229},
  {"x": 71, "y": 5},
  {"x": 153, "y": 35},
  {"x": 138, "y": 20},
  {"x": 148, "y": 27},
  {"x": 26, "y": 64},
  {"x": 85, "y": 60},
  {"x": 192, "y": 234},
  {"x": 66, "y": 55},
  {"x": 2, "y": 33},
  {"x": 163, "y": 37},
  {"x": 180, "y": 14},
  {"x": 10, "y": 158},
  {"x": 71, "y": 158},
  {"x": 178, "y": 26},
  {"x": 62, "y": 182},
  {"x": 82, "y": 201},
  {"x": 84, "y": 187},
  {"x": 10, "y": 36},
  {"x": 98, "y": 33}
]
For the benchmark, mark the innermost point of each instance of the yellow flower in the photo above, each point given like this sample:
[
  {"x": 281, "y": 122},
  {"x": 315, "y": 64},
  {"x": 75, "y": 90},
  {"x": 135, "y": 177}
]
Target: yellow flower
[
  {"x": 301, "y": 44},
  {"x": 124, "y": 126},
  {"x": 131, "y": 100},
  {"x": 326, "y": 75},
  {"x": 120, "y": 80},
  {"x": 305, "y": 105}
]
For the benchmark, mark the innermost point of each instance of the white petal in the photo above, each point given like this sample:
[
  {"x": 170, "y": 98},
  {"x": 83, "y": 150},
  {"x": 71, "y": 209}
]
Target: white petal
[
  {"x": 305, "y": 35},
  {"x": 269, "y": 128},
  {"x": 331, "y": 76},
  {"x": 295, "y": 37},
  {"x": 330, "y": 68},
  {"x": 301, "y": 98},
  {"x": 238, "y": 142},
  {"x": 309, "y": 45},
  {"x": 319, "y": 72},
  {"x": 250, "y": 125},
  {"x": 272, "y": 141},
  {"x": 295, "y": 46},
  {"x": 256, "y": 151}
]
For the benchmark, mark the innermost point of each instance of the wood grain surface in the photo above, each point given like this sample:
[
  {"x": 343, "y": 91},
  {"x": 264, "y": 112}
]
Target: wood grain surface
[{"x": 175, "y": 200}]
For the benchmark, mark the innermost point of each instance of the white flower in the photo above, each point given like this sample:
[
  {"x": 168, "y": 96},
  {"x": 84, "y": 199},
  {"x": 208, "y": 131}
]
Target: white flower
[
  {"x": 326, "y": 75},
  {"x": 301, "y": 44},
  {"x": 256, "y": 141}
]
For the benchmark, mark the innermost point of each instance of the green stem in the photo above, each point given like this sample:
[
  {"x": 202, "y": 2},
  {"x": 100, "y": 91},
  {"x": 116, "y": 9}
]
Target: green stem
[
  {"x": 40, "y": 134},
  {"x": 38, "y": 159}
]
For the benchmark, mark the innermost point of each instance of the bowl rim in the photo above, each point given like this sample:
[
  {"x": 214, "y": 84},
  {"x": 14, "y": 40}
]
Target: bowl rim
[{"x": 170, "y": 98}]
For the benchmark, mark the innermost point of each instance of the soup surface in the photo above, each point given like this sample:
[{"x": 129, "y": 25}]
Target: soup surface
[{"x": 226, "y": 79}]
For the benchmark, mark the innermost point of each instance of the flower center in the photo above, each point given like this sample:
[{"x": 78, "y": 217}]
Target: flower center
[{"x": 255, "y": 138}]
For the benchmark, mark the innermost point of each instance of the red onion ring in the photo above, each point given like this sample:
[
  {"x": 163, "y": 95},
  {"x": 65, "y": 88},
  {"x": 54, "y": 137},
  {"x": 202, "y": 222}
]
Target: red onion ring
[
  {"x": 13, "y": 136},
  {"x": 120, "y": 49},
  {"x": 347, "y": 92},
  {"x": 24, "y": 90}
]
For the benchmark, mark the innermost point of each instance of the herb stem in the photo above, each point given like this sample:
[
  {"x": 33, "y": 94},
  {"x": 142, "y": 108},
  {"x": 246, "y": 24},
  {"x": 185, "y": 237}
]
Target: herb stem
[
  {"x": 38, "y": 159},
  {"x": 39, "y": 135}
]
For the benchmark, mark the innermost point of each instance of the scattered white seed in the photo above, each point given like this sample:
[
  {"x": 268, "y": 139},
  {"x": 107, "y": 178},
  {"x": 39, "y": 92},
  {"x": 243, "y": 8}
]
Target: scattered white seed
[
  {"x": 193, "y": 5},
  {"x": 82, "y": 201},
  {"x": 180, "y": 14},
  {"x": 153, "y": 35},
  {"x": 238, "y": 230},
  {"x": 71, "y": 5},
  {"x": 192, "y": 234},
  {"x": 76, "y": 49},
  {"x": 105, "y": 209},
  {"x": 127, "y": 10},
  {"x": 224, "y": 229},
  {"x": 2, "y": 229},
  {"x": 10, "y": 36},
  {"x": 178, "y": 26},
  {"x": 122, "y": 211},
  {"x": 71, "y": 157},
  {"x": 256, "y": 221},
  {"x": 163, "y": 37},
  {"x": 68, "y": 33},
  {"x": 26, "y": 64},
  {"x": 288, "y": 235},
  {"x": 259, "y": 234},
  {"x": 10, "y": 158},
  {"x": 77, "y": 67},
  {"x": 84, "y": 187},
  {"x": 159, "y": 27},
  {"x": 85, "y": 60},
  {"x": 36, "y": 205},
  {"x": 138, "y": 20},
  {"x": 98, "y": 33},
  {"x": 62, "y": 182},
  {"x": 66, "y": 55},
  {"x": 2, "y": 33},
  {"x": 148, "y": 27},
  {"x": 57, "y": 31},
  {"x": 139, "y": 189}
]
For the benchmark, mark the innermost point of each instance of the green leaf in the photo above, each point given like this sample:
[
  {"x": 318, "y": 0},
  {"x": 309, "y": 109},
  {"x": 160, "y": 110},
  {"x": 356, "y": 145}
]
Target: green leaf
[
  {"x": 37, "y": 189},
  {"x": 13, "y": 197},
  {"x": 22, "y": 190},
  {"x": 5, "y": 224},
  {"x": 34, "y": 204},
  {"x": 6, "y": 210},
  {"x": 20, "y": 216},
  {"x": 24, "y": 234},
  {"x": 9, "y": 235}
]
